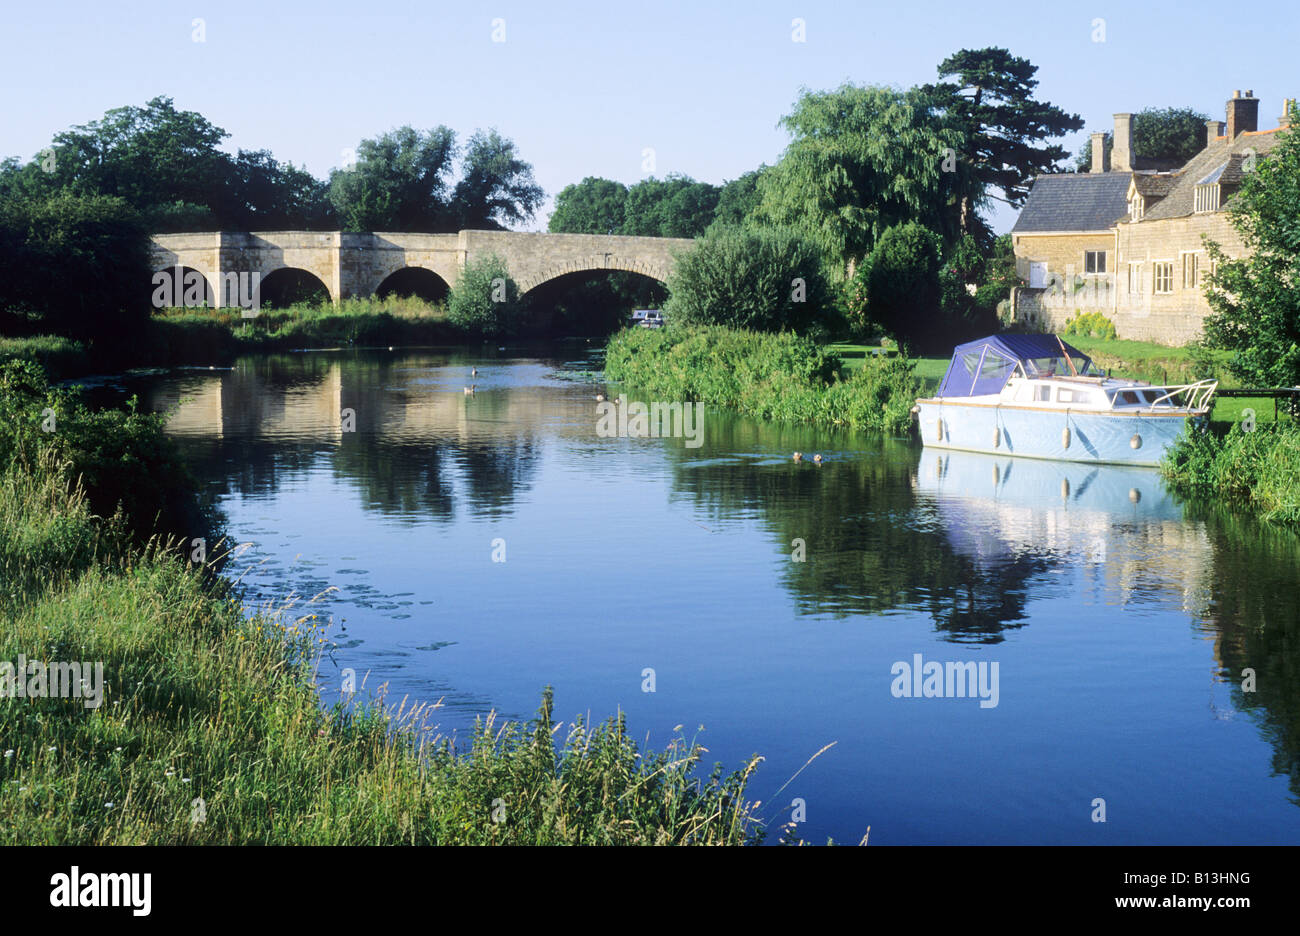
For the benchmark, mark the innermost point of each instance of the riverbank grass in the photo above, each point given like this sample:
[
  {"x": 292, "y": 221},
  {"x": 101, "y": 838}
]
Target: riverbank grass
[{"x": 1257, "y": 469}]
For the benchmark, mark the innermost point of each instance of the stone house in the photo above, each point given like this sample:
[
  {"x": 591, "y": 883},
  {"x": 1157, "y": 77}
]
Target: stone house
[{"x": 1126, "y": 238}]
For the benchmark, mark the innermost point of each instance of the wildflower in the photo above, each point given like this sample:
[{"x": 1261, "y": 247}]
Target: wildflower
[
  {"x": 9, "y": 753},
  {"x": 108, "y": 805}
]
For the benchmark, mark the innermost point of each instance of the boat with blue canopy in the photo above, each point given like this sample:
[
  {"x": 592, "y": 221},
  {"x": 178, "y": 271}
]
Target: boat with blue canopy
[{"x": 1039, "y": 397}]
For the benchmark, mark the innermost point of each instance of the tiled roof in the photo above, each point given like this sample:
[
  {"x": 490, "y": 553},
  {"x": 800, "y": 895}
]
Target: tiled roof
[
  {"x": 1228, "y": 154},
  {"x": 1074, "y": 201},
  {"x": 1152, "y": 186}
]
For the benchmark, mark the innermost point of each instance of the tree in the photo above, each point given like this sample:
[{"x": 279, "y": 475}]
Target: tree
[
  {"x": 485, "y": 300},
  {"x": 992, "y": 95},
  {"x": 897, "y": 288},
  {"x": 75, "y": 265},
  {"x": 1255, "y": 299},
  {"x": 399, "y": 183},
  {"x": 496, "y": 187},
  {"x": 676, "y": 206},
  {"x": 268, "y": 195},
  {"x": 165, "y": 163},
  {"x": 761, "y": 279},
  {"x": 147, "y": 156},
  {"x": 592, "y": 206},
  {"x": 739, "y": 199},
  {"x": 864, "y": 159},
  {"x": 1169, "y": 136}
]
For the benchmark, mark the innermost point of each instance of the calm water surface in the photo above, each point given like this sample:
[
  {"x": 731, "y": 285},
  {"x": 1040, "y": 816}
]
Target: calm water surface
[{"x": 1120, "y": 619}]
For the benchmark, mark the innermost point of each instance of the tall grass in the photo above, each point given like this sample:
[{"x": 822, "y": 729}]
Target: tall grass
[
  {"x": 768, "y": 376},
  {"x": 210, "y": 728},
  {"x": 1259, "y": 469}
]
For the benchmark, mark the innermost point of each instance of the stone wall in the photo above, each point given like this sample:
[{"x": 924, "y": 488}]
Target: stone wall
[{"x": 1176, "y": 317}]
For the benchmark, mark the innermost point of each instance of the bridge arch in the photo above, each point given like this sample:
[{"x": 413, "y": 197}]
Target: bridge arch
[
  {"x": 285, "y": 285},
  {"x": 414, "y": 281},
  {"x": 182, "y": 286},
  {"x": 593, "y": 264}
]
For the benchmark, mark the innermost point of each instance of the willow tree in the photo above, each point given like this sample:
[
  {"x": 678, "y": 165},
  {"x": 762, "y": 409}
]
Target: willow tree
[{"x": 864, "y": 159}]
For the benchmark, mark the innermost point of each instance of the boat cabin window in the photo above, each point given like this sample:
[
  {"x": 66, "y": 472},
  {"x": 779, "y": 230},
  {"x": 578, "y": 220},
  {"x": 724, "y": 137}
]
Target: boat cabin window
[
  {"x": 1128, "y": 397},
  {"x": 1067, "y": 395},
  {"x": 1044, "y": 393}
]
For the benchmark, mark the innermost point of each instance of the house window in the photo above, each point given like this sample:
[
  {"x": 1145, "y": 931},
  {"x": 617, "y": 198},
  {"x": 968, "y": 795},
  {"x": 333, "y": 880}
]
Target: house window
[
  {"x": 1206, "y": 198},
  {"x": 1164, "y": 276},
  {"x": 1136, "y": 208},
  {"x": 1135, "y": 277},
  {"x": 1094, "y": 261},
  {"x": 1189, "y": 270}
]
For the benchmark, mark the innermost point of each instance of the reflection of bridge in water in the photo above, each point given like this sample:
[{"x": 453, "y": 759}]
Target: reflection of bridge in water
[{"x": 400, "y": 403}]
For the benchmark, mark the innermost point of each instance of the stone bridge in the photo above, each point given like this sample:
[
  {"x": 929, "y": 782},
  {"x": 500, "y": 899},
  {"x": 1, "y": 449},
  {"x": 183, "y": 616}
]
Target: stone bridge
[{"x": 360, "y": 265}]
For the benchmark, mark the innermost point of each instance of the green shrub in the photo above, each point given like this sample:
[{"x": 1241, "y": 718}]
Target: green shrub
[
  {"x": 485, "y": 300},
  {"x": 780, "y": 377},
  {"x": 1090, "y": 325},
  {"x": 749, "y": 278}
]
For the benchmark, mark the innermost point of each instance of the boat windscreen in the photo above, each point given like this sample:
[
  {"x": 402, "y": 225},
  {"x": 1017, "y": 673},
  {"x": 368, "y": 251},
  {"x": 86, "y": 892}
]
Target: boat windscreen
[
  {"x": 977, "y": 372},
  {"x": 1058, "y": 365}
]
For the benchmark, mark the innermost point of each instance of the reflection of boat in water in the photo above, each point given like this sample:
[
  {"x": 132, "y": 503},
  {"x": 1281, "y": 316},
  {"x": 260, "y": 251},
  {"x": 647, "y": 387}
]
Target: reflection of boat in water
[
  {"x": 1036, "y": 396},
  {"x": 1118, "y": 490},
  {"x": 999, "y": 509}
]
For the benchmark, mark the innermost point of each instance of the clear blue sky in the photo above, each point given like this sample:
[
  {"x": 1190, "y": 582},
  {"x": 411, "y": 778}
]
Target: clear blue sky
[{"x": 583, "y": 88}]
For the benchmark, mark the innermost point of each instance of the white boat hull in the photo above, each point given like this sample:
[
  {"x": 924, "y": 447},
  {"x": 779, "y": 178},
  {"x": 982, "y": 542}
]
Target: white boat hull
[{"x": 1125, "y": 437}]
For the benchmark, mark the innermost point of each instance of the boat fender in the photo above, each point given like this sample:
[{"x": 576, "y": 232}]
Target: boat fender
[
  {"x": 997, "y": 436},
  {"x": 939, "y": 426},
  {"x": 1135, "y": 442},
  {"x": 1065, "y": 488},
  {"x": 1065, "y": 437}
]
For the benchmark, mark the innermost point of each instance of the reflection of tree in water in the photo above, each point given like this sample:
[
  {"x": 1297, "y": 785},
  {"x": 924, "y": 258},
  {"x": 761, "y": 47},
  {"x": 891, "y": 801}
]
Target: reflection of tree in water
[
  {"x": 405, "y": 481},
  {"x": 1255, "y": 607},
  {"x": 872, "y": 545},
  {"x": 496, "y": 474}
]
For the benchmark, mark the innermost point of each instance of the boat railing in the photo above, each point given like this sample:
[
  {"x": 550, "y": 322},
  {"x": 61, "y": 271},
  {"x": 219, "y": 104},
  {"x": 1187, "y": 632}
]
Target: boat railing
[{"x": 1193, "y": 396}]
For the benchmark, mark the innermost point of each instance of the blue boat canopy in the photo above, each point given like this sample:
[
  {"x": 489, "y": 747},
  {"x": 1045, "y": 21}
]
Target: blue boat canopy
[{"x": 984, "y": 366}]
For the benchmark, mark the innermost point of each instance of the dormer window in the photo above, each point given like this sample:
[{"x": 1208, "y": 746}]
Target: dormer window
[
  {"x": 1207, "y": 194},
  {"x": 1206, "y": 198},
  {"x": 1136, "y": 207}
]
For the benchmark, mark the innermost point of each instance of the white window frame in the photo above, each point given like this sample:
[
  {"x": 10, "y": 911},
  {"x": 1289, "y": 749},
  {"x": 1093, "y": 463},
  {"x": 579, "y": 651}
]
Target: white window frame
[
  {"x": 1155, "y": 278},
  {"x": 1195, "y": 270},
  {"x": 1135, "y": 277},
  {"x": 1206, "y": 198},
  {"x": 1104, "y": 264}
]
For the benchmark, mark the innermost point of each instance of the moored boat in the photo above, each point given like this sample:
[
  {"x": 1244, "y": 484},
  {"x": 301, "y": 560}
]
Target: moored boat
[{"x": 1036, "y": 396}]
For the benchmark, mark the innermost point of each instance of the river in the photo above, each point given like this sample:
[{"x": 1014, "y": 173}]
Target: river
[{"x": 1134, "y": 657}]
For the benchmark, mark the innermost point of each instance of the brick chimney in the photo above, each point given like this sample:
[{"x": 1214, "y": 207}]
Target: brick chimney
[
  {"x": 1213, "y": 130},
  {"x": 1243, "y": 114},
  {"x": 1121, "y": 150},
  {"x": 1098, "y": 152}
]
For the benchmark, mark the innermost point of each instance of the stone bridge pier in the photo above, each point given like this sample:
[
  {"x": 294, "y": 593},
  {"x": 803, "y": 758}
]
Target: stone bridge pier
[{"x": 360, "y": 265}]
